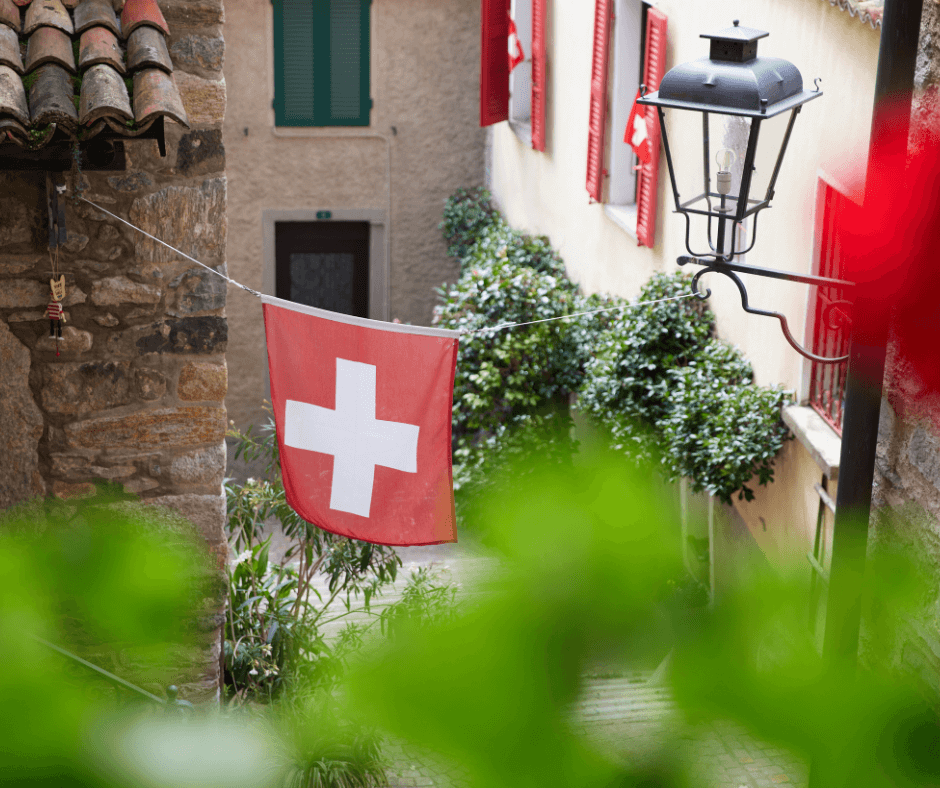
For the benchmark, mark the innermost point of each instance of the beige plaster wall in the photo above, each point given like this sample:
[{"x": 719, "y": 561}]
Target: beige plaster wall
[
  {"x": 830, "y": 134},
  {"x": 424, "y": 142}
]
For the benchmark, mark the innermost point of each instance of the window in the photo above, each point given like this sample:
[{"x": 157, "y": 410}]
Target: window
[
  {"x": 636, "y": 33},
  {"x": 323, "y": 264},
  {"x": 829, "y": 323},
  {"x": 519, "y": 95},
  {"x": 321, "y": 62}
]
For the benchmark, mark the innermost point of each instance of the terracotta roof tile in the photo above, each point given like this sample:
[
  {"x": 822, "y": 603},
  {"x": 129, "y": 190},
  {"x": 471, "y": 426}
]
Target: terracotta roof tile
[
  {"x": 10, "y": 14},
  {"x": 52, "y": 97},
  {"x": 47, "y": 12},
  {"x": 12, "y": 129},
  {"x": 156, "y": 94},
  {"x": 103, "y": 100},
  {"x": 96, "y": 12},
  {"x": 146, "y": 48},
  {"x": 49, "y": 45},
  {"x": 142, "y": 12},
  {"x": 103, "y": 95},
  {"x": 13, "y": 95},
  {"x": 10, "y": 49},
  {"x": 100, "y": 45},
  {"x": 867, "y": 11}
]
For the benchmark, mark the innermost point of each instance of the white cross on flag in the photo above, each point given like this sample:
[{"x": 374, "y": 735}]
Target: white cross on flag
[
  {"x": 637, "y": 134},
  {"x": 363, "y": 416}
]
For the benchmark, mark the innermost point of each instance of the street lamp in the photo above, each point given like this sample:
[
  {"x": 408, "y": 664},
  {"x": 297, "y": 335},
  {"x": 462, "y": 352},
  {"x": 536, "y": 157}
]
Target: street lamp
[{"x": 734, "y": 83}]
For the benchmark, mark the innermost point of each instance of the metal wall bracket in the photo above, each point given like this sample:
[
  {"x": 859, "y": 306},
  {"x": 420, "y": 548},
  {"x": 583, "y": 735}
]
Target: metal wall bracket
[
  {"x": 722, "y": 265},
  {"x": 55, "y": 188}
]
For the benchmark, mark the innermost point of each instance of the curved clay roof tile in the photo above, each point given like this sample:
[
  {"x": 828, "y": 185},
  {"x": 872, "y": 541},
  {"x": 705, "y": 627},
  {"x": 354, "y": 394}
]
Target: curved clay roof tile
[
  {"x": 49, "y": 45},
  {"x": 146, "y": 48},
  {"x": 89, "y": 13},
  {"x": 142, "y": 12},
  {"x": 12, "y": 95},
  {"x": 155, "y": 93},
  {"x": 50, "y": 97},
  {"x": 10, "y": 14},
  {"x": 100, "y": 45},
  {"x": 47, "y": 12},
  {"x": 103, "y": 95},
  {"x": 10, "y": 49}
]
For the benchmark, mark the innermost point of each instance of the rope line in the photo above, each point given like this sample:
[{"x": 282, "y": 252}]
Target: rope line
[
  {"x": 463, "y": 333},
  {"x": 577, "y": 314},
  {"x": 172, "y": 248}
]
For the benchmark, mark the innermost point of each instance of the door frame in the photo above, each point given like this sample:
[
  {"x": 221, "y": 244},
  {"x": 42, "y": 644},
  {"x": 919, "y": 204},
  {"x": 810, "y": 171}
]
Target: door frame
[{"x": 378, "y": 248}]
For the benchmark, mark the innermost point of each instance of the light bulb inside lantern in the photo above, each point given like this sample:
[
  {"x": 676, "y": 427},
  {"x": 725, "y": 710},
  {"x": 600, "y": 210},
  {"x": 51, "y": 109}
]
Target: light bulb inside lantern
[{"x": 725, "y": 158}]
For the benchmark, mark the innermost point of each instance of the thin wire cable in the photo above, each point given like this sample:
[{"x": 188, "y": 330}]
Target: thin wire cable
[
  {"x": 173, "y": 248},
  {"x": 577, "y": 314},
  {"x": 463, "y": 333}
]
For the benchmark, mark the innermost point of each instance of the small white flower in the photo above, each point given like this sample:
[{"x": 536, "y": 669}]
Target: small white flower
[
  {"x": 253, "y": 672},
  {"x": 242, "y": 557}
]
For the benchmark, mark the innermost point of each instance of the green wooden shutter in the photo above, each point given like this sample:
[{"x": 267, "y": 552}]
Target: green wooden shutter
[{"x": 321, "y": 62}]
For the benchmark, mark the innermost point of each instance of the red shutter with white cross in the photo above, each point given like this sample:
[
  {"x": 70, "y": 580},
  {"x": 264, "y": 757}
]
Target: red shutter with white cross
[
  {"x": 494, "y": 61},
  {"x": 538, "y": 75},
  {"x": 647, "y": 176},
  {"x": 597, "y": 120}
]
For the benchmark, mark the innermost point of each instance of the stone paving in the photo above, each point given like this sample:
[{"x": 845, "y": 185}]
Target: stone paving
[{"x": 625, "y": 716}]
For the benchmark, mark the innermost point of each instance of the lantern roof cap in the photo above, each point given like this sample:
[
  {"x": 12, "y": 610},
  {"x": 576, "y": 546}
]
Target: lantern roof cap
[{"x": 737, "y": 33}]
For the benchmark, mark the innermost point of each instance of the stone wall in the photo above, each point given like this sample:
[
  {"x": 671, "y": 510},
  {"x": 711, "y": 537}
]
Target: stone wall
[{"x": 136, "y": 395}]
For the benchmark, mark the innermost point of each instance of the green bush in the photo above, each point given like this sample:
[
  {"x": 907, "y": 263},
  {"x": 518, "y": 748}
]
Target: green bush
[
  {"x": 504, "y": 374},
  {"x": 650, "y": 375},
  {"x": 466, "y": 213},
  {"x": 627, "y": 385},
  {"x": 722, "y": 429}
]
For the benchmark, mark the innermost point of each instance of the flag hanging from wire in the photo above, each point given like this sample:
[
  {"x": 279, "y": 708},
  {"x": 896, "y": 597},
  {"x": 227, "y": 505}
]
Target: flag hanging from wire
[{"x": 363, "y": 414}]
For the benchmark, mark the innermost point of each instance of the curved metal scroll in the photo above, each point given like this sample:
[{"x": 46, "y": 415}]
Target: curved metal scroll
[{"x": 719, "y": 269}]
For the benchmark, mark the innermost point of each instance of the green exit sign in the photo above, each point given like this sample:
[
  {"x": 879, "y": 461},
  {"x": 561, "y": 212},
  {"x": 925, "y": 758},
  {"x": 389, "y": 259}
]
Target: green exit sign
[{"x": 324, "y": 214}]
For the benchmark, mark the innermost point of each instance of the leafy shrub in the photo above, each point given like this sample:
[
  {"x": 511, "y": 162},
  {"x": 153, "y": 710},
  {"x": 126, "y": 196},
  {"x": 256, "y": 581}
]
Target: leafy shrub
[
  {"x": 504, "y": 374},
  {"x": 498, "y": 242},
  {"x": 272, "y": 635},
  {"x": 627, "y": 384},
  {"x": 722, "y": 429},
  {"x": 467, "y": 212}
]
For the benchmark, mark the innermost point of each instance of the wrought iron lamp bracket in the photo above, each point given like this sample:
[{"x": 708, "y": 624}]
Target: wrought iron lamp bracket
[{"x": 722, "y": 264}]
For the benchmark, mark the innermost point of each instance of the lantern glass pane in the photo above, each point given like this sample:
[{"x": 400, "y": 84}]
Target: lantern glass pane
[{"x": 772, "y": 133}]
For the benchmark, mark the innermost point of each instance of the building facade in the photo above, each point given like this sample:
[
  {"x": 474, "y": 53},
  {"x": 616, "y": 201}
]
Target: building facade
[
  {"x": 132, "y": 388},
  {"x": 612, "y": 218},
  {"x": 348, "y": 125}
]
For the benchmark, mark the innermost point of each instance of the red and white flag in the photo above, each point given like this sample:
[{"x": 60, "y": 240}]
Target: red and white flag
[
  {"x": 637, "y": 133},
  {"x": 516, "y": 55},
  {"x": 363, "y": 415}
]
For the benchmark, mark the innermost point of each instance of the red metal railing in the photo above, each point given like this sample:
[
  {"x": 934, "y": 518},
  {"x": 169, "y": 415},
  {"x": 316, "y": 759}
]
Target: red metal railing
[{"x": 831, "y": 324}]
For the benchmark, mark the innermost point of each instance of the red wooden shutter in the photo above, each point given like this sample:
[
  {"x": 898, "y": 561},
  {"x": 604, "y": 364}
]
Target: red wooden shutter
[
  {"x": 538, "y": 75},
  {"x": 647, "y": 177},
  {"x": 494, "y": 61},
  {"x": 597, "y": 120}
]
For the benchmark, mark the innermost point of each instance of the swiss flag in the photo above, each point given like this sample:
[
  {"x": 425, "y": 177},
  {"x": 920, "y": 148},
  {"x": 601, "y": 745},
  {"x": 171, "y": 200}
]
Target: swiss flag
[
  {"x": 516, "y": 55},
  {"x": 637, "y": 134},
  {"x": 363, "y": 416}
]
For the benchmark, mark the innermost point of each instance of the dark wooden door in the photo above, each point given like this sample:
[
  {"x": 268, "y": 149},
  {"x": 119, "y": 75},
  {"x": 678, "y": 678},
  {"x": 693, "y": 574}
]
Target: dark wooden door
[{"x": 324, "y": 264}]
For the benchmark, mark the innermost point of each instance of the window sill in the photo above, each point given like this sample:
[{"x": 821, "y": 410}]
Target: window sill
[
  {"x": 624, "y": 216},
  {"x": 818, "y": 437},
  {"x": 522, "y": 129}
]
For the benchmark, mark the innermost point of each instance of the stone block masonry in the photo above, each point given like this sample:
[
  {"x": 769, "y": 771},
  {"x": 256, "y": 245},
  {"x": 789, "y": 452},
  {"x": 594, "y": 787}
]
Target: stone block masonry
[{"x": 136, "y": 394}]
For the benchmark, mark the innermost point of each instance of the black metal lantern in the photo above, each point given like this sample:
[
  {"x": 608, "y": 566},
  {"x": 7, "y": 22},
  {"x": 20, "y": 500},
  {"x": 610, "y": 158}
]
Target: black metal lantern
[{"x": 734, "y": 83}]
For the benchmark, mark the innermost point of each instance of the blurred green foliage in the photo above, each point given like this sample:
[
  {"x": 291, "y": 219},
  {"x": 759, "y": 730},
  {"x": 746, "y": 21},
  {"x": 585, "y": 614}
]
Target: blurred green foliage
[{"x": 589, "y": 557}]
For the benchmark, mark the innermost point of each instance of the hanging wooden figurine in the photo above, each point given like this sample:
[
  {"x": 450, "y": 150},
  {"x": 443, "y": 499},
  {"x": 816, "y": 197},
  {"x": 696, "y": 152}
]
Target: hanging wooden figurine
[{"x": 54, "y": 311}]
